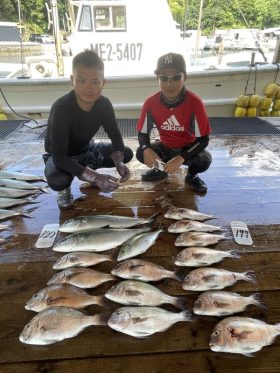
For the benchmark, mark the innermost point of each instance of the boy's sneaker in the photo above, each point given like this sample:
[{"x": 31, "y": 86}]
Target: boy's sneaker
[
  {"x": 196, "y": 184},
  {"x": 154, "y": 174},
  {"x": 65, "y": 198}
]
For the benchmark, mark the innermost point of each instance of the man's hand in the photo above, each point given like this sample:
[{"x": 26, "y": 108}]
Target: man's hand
[
  {"x": 174, "y": 164},
  {"x": 106, "y": 183},
  {"x": 122, "y": 169},
  {"x": 150, "y": 157}
]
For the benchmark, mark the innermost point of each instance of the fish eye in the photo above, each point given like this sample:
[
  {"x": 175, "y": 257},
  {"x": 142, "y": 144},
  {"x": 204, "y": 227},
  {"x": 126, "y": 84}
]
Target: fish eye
[
  {"x": 199, "y": 301},
  {"x": 216, "y": 332}
]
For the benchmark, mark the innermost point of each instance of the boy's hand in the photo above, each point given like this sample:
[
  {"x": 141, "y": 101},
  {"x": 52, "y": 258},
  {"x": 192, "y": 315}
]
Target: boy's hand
[
  {"x": 173, "y": 165},
  {"x": 122, "y": 169},
  {"x": 150, "y": 157},
  {"x": 106, "y": 183}
]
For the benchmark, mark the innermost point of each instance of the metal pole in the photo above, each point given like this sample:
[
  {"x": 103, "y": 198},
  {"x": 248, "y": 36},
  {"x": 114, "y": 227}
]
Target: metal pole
[
  {"x": 185, "y": 18},
  {"x": 19, "y": 18},
  {"x": 198, "y": 32},
  {"x": 71, "y": 14},
  {"x": 57, "y": 39}
]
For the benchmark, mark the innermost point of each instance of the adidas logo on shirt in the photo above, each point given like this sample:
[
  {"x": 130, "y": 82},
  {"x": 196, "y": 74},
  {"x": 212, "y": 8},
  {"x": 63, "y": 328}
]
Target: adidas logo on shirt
[{"x": 171, "y": 124}]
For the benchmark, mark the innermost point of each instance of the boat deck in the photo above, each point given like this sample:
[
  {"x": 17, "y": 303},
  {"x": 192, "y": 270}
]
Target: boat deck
[{"x": 243, "y": 184}]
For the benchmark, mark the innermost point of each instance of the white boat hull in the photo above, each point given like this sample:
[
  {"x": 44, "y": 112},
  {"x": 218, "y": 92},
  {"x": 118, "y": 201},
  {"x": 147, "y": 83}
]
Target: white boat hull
[{"x": 219, "y": 90}]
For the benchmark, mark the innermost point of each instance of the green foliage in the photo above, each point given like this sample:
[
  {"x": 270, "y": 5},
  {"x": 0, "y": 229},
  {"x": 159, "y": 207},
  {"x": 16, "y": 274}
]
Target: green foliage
[
  {"x": 217, "y": 14},
  {"x": 226, "y": 14},
  {"x": 33, "y": 14}
]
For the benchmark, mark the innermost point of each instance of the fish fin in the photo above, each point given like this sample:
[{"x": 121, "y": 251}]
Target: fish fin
[
  {"x": 248, "y": 354},
  {"x": 135, "y": 276},
  {"x": 101, "y": 301},
  {"x": 235, "y": 253},
  {"x": 222, "y": 314},
  {"x": 138, "y": 320},
  {"x": 154, "y": 216},
  {"x": 25, "y": 214},
  {"x": 220, "y": 304},
  {"x": 112, "y": 257},
  {"x": 208, "y": 277},
  {"x": 180, "y": 303},
  {"x": 197, "y": 256},
  {"x": 136, "y": 266},
  {"x": 133, "y": 293},
  {"x": 250, "y": 276},
  {"x": 258, "y": 301},
  {"x": 142, "y": 334},
  {"x": 53, "y": 301},
  {"x": 239, "y": 336},
  {"x": 32, "y": 209},
  {"x": 187, "y": 315},
  {"x": 178, "y": 276},
  {"x": 101, "y": 318},
  {"x": 45, "y": 190},
  {"x": 31, "y": 200},
  {"x": 134, "y": 303}
]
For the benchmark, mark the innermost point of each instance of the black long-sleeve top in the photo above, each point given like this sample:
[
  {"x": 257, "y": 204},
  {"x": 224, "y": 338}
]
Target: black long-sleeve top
[{"x": 70, "y": 130}]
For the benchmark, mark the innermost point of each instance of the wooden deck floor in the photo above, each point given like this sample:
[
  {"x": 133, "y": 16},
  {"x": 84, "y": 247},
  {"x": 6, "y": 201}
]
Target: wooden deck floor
[{"x": 243, "y": 185}]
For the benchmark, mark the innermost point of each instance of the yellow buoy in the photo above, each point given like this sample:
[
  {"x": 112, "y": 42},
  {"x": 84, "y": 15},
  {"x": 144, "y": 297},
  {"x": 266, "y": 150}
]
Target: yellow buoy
[{"x": 3, "y": 116}]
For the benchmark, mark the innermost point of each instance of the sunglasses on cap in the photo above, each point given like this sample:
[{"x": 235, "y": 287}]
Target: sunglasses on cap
[{"x": 175, "y": 77}]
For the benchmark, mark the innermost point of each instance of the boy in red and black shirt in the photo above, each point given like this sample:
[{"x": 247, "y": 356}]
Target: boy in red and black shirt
[{"x": 181, "y": 120}]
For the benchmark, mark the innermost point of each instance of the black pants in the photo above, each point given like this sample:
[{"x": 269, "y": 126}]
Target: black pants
[
  {"x": 98, "y": 155},
  {"x": 197, "y": 164}
]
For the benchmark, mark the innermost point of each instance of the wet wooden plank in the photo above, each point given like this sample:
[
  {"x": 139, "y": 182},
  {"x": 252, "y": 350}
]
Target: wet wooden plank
[
  {"x": 181, "y": 362},
  {"x": 243, "y": 185},
  {"x": 19, "y": 281}
]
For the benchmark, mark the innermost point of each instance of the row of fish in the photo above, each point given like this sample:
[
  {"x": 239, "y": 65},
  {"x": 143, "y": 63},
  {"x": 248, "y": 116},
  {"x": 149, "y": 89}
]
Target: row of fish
[
  {"x": 233, "y": 334},
  {"x": 141, "y": 315},
  {"x": 15, "y": 190},
  {"x": 65, "y": 289}
]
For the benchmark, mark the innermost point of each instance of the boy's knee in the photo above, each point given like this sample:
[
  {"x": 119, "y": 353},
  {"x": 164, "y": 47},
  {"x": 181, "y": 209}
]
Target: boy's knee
[{"x": 128, "y": 155}]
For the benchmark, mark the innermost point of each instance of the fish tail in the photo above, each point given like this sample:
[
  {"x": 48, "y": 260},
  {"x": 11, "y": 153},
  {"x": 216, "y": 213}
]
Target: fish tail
[
  {"x": 154, "y": 216},
  {"x": 25, "y": 214},
  {"x": 45, "y": 190},
  {"x": 180, "y": 303},
  {"x": 234, "y": 253},
  {"x": 250, "y": 276},
  {"x": 31, "y": 200},
  {"x": 187, "y": 315},
  {"x": 111, "y": 257},
  {"x": 32, "y": 209},
  {"x": 100, "y": 300},
  {"x": 256, "y": 299},
  {"x": 225, "y": 237},
  {"x": 178, "y": 275},
  {"x": 100, "y": 318}
]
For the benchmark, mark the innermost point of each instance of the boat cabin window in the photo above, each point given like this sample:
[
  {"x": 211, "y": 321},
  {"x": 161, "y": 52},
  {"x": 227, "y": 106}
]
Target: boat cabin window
[
  {"x": 85, "y": 19},
  {"x": 110, "y": 18},
  {"x": 9, "y": 33}
]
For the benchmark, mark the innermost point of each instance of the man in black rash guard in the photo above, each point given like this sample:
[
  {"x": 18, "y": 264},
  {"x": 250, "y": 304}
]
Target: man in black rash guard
[
  {"x": 74, "y": 120},
  {"x": 181, "y": 120}
]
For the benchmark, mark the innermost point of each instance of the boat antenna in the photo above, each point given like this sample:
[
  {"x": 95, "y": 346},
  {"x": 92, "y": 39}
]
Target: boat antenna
[{"x": 253, "y": 36}]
